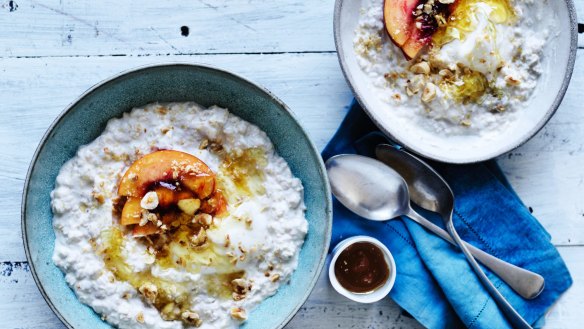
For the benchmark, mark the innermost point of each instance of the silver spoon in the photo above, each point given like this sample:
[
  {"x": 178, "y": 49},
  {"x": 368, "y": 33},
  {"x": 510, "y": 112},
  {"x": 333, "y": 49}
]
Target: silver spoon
[
  {"x": 429, "y": 191},
  {"x": 378, "y": 204},
  {"x": 373, "y": 190}
]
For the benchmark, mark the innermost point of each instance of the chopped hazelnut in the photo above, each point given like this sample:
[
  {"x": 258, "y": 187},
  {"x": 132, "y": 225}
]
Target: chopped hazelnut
[
  {"x": 205, "y": 220},
  {"x": 238, "y": 313},
  {"x": 446, "y": 73},
  {"x": 237, "y": 297},
  {"x": 512, "y": 81},
  {"x": 149, "y": 201},
  {"x": 275, "y": 277},
  {"x": 240, "y": 286},
  {"x": 140, "y": 317},
  {"x": 420, "y": 68},
  {"x": 149, "y": 291},
  {"x": 98, "y": 197},
  {"x": 200, "y": 238},
  {"x": 216, "y": 147},
  {"x": 147, "y": 217},
  {"x": 204, "y": 144},
  {"x": 189, "y": 206},
  {"x": 191, "y": 317},
  {"x": 429, "y": 92}
]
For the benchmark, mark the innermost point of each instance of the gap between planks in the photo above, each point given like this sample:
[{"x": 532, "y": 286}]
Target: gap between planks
[{"x": 178, "y": 54}]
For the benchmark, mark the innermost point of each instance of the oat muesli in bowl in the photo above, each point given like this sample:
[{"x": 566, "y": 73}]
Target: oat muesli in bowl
[
  {"x": 455, "y": 67},
  {"x": 177, "y": 216}
]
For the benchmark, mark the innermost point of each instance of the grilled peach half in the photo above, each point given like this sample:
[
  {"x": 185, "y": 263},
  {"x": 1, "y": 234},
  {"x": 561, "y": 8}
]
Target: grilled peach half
[
  {"x": 164, "y": 166},
  {"x": 132, "y": 212},
  {"x": 399, "y": 19},
  {"x": 400, "y": 24}
]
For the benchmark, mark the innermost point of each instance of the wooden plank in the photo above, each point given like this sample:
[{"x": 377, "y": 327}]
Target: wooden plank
[
  {"x": 22, "y": 305},
  {"x": 69, "y": 27},
  {"x": 150, "y": 27},
  {"x": 311, "y": 84},
  {"x": 324, "y": 309},
  {"x": 546, "y": 171},
  {"x": 567, "y": 313}
]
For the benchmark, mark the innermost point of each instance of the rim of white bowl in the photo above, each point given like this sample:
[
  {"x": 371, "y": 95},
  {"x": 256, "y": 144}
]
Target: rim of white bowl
[{"x": 474, "y": 159}]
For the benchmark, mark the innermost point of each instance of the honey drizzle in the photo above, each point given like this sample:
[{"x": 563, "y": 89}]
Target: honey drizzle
[{"x": 240, "y": 175}]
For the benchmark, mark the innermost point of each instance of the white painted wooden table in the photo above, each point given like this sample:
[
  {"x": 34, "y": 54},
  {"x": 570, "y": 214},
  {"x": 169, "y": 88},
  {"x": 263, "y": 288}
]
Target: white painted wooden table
[{"x": 53, "y": 50}]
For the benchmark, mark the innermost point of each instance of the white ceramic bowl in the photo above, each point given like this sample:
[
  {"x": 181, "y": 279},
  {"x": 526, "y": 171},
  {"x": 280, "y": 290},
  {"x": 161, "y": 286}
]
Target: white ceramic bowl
[
  {"x": 371, "y": 297},
  {"x": 558, "y": 63}
]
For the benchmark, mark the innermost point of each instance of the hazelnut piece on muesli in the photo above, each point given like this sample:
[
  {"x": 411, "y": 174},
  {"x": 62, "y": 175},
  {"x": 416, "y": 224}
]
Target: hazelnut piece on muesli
[
  {"x": 149, "y": 201},
  {"x": 420, "y": 68},
  {"x": 149, "y": 291},
  {"x": 238, "y": 313},
  {"x": 241, "y": 286},
  {"x": 200, "y": 238},
  {"x": 205, "y": 220},
  {"x": 191, "y": 317},
  {"x": 189, "y": 206},
  {"x": 429, "y": 92},
  {"x": 140, "y": 317},
  {"x": 512, "y": 81},
  {"x": 98, "y": 197}
]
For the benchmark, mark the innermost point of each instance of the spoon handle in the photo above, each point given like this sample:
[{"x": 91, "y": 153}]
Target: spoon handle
[
  {"x": 517, "y": 321},
  {"x": 524, "y": 282}
]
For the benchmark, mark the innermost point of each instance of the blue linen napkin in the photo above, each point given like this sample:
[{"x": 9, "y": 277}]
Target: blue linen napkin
[{"x": 434, "y": 282}]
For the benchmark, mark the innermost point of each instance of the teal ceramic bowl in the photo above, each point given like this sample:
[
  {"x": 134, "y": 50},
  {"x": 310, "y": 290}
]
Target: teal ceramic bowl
[{"x": 85, "y": 119}]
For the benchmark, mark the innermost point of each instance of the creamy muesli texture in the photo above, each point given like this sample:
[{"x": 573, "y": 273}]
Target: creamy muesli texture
[
  {"x": 198, "y": 243},
  {"x": 481, "y": 62}
]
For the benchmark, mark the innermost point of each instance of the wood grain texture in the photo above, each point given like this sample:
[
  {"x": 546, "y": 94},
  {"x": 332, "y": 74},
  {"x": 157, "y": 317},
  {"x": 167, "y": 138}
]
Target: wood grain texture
[
  {"x": 324, "y": 309},
  {"x": 51, "y": 51},
  {"x": 311, "y": 84},
  {"x": 151, "y": 27},
  {"x": 545, "y": 171}
]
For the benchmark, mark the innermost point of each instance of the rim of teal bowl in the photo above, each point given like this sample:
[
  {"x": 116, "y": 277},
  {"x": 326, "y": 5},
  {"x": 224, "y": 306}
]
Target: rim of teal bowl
[{"x": 68, "y": 108}]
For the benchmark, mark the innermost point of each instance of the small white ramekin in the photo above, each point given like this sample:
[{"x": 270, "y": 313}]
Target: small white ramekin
[{"x": 370, "y": 297}]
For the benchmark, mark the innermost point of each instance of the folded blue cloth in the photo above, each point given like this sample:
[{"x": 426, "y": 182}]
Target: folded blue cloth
[{"x": 434, "y": 282}]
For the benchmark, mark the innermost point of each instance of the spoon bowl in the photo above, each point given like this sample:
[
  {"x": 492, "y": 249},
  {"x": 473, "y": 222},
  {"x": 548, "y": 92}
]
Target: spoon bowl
[{"x": 353, "y": 178}]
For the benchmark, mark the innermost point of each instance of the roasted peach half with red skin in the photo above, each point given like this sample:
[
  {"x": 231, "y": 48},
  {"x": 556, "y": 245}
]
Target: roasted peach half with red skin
[
  {"x": 400, "y": 24},
  {"x": 167, "y": 165},
  {"x": 415, "y": 44},
  {"x": 399, "y": 19}
]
